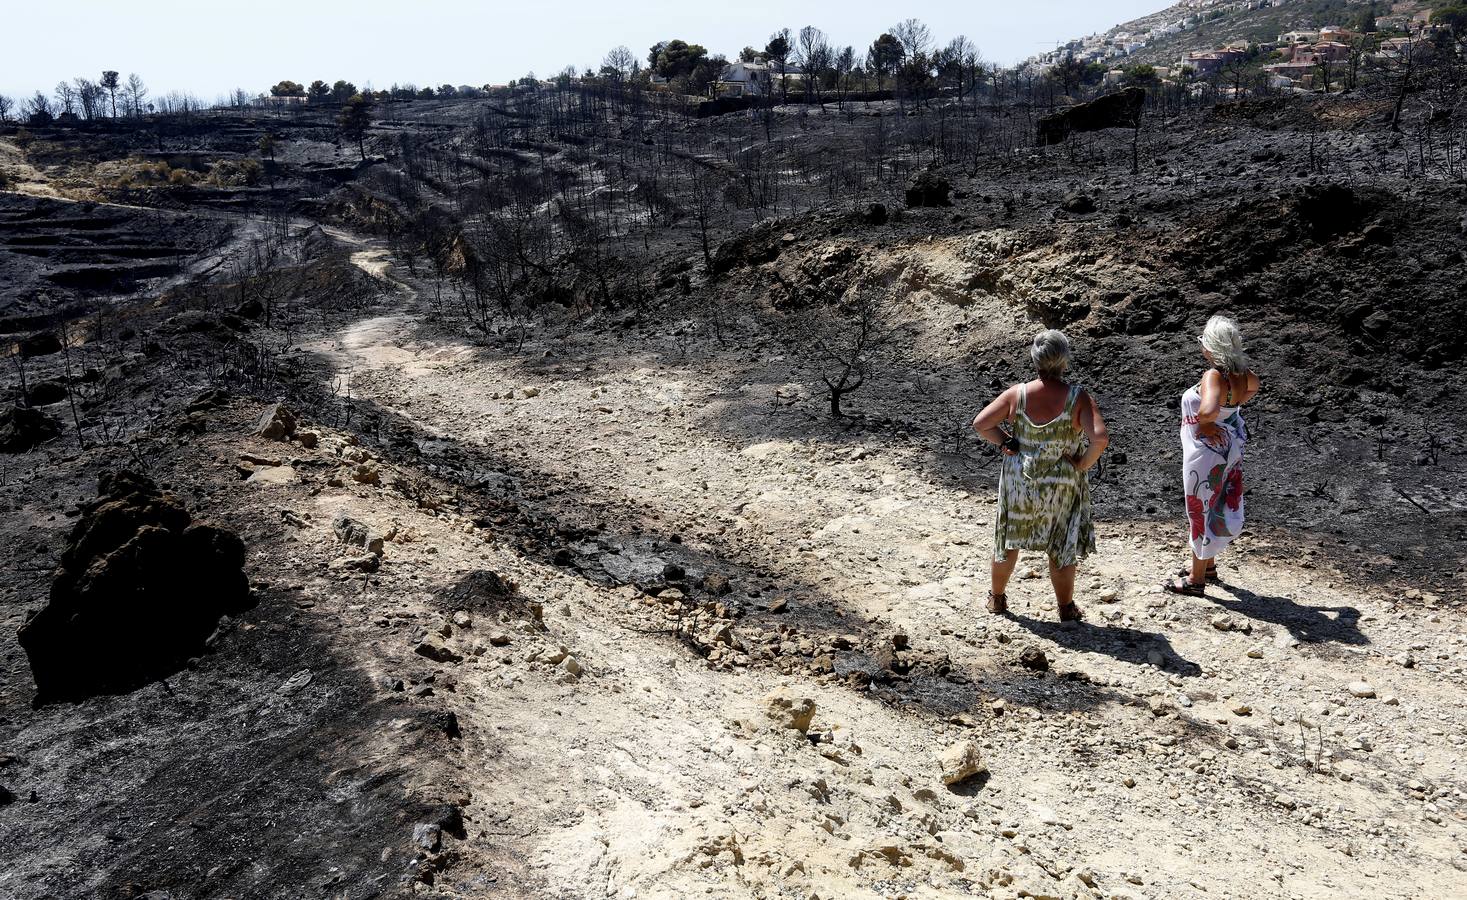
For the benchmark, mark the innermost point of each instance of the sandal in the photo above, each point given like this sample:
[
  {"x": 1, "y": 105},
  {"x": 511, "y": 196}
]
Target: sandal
[
  {"x": 1185, "y": 586},
  {"x": 1212, "y": 576},
  {"x": 998, "y": 604},
  {"x": 1070, "y": 612}
]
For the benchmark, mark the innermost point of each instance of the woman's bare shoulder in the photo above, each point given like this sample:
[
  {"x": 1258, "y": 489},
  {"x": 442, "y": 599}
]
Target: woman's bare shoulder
[{"x": 1251, "y": 383}]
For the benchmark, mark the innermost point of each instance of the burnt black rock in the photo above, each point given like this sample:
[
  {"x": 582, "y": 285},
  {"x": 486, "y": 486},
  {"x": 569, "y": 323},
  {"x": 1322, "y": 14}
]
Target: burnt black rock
[
  {"x": 42, "y": 344},
  {"x": 1119, "y": 110},
  {"x": 44, "y": 393},
  {"x": 928, "y": 188},
  {"x": 140, "y": 589},
  {"x": 1080, "y": 204},
  {"x": 23, "y": 429},
  {"x": 1033, "y": 659}
]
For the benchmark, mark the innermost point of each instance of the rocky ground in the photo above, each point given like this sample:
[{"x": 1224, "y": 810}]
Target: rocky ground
[{"x": 617, "y": 610}]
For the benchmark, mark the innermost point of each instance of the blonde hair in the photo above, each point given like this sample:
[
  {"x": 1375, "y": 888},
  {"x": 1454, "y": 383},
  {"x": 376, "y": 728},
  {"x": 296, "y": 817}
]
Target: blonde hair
[
  {"x": 1224, "y": 341},
  {"x": 1051, "y": 353}
]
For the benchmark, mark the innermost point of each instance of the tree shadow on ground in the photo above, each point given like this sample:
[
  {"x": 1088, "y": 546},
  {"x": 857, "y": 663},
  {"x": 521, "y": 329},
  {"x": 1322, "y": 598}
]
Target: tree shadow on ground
[
  {"x": 1308, "y": 624},
  {"x": 1128, "y": 645},
  {"x": 564, "y": 521}
]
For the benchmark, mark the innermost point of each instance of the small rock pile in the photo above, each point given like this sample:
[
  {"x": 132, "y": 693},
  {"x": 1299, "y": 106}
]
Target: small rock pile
[
  {"x": 357, "y": 534},
  {"x": 140, "y": 590}
]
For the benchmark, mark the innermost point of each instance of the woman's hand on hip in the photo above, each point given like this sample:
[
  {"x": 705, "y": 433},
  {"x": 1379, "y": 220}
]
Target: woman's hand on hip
[{"x": 1210, "y": 431}]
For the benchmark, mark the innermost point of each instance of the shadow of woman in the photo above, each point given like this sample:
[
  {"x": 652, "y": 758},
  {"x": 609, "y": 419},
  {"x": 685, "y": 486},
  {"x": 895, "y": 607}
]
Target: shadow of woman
[
  {"x": 1308, "y": 624},
  {"x": 1127, "y": 645}
]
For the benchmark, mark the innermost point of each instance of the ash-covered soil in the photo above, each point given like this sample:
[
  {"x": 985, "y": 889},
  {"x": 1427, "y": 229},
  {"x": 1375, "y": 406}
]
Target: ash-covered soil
[
  {"x": 57, "y": 255},
  {"x": 582, "y": 599}
]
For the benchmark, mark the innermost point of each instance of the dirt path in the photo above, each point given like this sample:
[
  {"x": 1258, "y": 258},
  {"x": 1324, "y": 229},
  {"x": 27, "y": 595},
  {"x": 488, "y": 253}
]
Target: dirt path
[
  {"x": 1176, "y": 747},
  {"x": 610, "y": 734}
]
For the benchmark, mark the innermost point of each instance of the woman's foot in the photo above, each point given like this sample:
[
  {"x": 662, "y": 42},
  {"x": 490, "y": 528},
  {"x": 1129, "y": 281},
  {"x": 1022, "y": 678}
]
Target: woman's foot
[
  {"x": 998, "y": 604},
  {"x": 1212, "y": 576},
  {"x": 1185, "y": 586},
  {"x": 1070, "y": 612}
]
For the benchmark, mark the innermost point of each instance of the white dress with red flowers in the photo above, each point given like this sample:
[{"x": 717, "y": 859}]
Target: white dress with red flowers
[{"x": 1212, "y": 476}]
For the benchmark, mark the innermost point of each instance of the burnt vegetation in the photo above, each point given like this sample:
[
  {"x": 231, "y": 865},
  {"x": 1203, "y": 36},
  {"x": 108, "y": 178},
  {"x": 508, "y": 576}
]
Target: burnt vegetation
[
  {"x": 212, "y": 236},
  {"x": 857, "y": 242}
]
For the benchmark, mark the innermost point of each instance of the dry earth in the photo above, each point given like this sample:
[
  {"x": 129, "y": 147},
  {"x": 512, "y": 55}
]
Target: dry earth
[
  {"x": 604, "y": 550},
  {"x": 1176, "y": 747}
]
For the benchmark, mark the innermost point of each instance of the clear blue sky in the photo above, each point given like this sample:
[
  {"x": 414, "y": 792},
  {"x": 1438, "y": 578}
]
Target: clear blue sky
[{"x": 209, "y": 47}]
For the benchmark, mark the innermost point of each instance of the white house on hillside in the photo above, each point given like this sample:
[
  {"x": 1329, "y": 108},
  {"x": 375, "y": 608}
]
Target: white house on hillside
[{"x": 756, "y": 79}]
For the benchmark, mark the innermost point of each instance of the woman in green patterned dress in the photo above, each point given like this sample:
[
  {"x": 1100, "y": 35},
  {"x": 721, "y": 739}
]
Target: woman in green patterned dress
[{"x": 1043, "y": 489}]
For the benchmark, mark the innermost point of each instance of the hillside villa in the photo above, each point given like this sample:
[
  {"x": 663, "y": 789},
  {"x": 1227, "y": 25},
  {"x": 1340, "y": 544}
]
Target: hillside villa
[{"x": 756, "y": 79}]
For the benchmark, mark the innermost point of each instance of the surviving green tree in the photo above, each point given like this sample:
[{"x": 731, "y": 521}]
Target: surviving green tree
[
  {"x": 355, "y": 119},
  {"x": 110, "y": 83},
  {"x": 778, "y": 51},
  {"x": 670, "y": 59},
  {"x": 886, "y": 55}
]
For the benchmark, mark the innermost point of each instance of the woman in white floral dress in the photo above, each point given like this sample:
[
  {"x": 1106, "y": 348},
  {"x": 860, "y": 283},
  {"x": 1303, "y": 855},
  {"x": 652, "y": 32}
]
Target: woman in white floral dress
[{"x": 1213, "y": 439}]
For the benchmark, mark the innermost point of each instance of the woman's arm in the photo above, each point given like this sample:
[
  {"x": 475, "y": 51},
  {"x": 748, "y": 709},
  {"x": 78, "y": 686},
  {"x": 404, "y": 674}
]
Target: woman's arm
[
  {"x": 1000, "y": 410},
  {"x": 1093, "y": 424},
  {"x": 1251, "y": 386},
  {"x": 1211, "y": 392}
]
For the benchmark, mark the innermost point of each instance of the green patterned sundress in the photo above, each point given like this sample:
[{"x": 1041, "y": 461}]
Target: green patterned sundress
[{"x": 1043, "y": 500}]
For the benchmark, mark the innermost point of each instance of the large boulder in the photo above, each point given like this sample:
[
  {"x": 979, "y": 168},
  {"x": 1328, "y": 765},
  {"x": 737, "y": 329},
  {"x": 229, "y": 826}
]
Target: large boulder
[
  {"x": 140, "y": 590},
  {"x": 23, "y": 429},
  {"x": 1079, "y": 204},
  {"x": 1119, "y": 110},
  {"x": 357, "y": 534},
  {"x": 752, "y": 247}
]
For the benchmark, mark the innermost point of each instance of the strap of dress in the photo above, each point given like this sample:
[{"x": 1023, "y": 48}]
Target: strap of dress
[
  {"x": 1023, "y": 398},
  {"x": 1069, "y": 413}
]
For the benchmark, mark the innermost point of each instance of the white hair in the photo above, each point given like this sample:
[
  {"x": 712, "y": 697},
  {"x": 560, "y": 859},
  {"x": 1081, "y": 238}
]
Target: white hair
[
  {"x": 1051, "y": 353},
  {"x": 1224, "y": 341}
]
